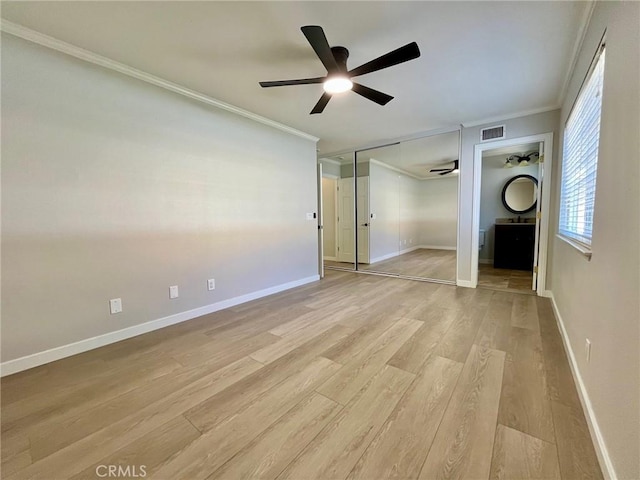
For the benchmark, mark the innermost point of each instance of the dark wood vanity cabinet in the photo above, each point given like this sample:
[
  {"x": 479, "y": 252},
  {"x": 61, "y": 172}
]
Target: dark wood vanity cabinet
[{"x": 513, "y": 246}]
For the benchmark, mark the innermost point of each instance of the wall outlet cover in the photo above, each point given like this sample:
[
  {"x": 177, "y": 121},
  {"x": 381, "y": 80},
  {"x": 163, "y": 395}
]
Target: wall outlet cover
[
  {"x": 211, "y": 284},
  {"x": 173, "y": 292},
  {"x": 115, "y": 305}
]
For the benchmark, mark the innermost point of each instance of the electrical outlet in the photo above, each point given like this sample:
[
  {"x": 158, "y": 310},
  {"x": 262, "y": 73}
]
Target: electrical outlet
[
  {"x": 173, "y": 292},
  {"x": 211, "y": 284},
  {"x": 115, "y": 305},
  {"x": 587, "y": 350}
]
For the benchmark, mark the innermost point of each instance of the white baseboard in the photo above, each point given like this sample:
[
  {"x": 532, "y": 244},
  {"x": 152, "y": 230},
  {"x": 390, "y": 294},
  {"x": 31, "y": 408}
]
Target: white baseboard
[
  {"x": 465, "y": 283},
  {"x": 438, "y": 247},
  {"x": 53, "y": 354},
  {"x": 332, "y": 259},
  {"x": 384, "y": 257},
  {"x": 596, "y": 434},
  {"x": 410, "y": 249}
]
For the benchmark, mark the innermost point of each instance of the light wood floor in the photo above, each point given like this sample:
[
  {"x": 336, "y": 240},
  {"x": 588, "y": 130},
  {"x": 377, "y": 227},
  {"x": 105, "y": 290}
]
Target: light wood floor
[
  {"x": 505, "y": 279},
  {"x": 424, "y": 263},
  {"x": 355, "y": 376}
]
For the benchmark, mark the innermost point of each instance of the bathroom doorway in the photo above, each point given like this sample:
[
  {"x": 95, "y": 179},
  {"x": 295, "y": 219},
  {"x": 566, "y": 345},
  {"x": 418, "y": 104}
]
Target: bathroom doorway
[{"x": 511, "y": 213}]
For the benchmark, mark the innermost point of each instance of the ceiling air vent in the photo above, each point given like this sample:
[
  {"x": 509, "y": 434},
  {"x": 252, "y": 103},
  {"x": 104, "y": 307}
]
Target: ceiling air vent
[{"x": 492, "y": 133}]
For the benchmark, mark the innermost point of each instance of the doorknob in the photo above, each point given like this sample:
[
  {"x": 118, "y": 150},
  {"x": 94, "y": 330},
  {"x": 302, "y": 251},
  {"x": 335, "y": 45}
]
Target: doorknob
[{"x": 365, "y": 224}]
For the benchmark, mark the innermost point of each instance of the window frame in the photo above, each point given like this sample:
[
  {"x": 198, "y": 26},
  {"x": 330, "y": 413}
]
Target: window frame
[{"x": 573, "y": 237}]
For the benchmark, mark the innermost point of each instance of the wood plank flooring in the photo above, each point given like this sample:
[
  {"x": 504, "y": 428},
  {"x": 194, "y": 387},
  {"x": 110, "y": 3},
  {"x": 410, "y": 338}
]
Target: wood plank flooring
[
  {"x": 353, "y": 377},
  {"x": 422, "y": 262},
  {"x": 505, "y": 279}
]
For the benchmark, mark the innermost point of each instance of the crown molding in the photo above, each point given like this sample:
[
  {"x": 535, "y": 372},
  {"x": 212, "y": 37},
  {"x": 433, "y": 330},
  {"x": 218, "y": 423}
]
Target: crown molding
[
  {"x": 88, "y": 56},
  {"x": 577, "y": 47},
  {"x": 501, "y": 118}
]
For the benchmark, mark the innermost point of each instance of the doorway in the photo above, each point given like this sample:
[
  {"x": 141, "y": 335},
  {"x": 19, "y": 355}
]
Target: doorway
[{"x": 511, "y": 213}]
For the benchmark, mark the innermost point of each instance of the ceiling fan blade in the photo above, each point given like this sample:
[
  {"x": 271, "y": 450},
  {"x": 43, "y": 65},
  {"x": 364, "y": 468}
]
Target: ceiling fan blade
[
  {"x": 371, "y": 94},
  {"x": 324, "y": 99},
  {"x": 316, "y": 37},
  {"x": 301, "y": 81},
  {"x": 399, "y": 55},
  {"x": 446, "y": 170}
]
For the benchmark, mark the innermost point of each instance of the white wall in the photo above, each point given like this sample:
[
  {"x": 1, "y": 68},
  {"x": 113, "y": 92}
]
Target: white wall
[
  {"x": 330, "y": 167},
  {"x": 470, "y": 136},
  {"x": 598, "y": 299},
  {"x": 384, "y": 198},
  {"x": 115, "y": 188},
  {"x": 410, "y": 212},
  {"x": 439, "y": 212},
  {"x": 329, "y": 219},
  {"x": 494, "y": 178}
]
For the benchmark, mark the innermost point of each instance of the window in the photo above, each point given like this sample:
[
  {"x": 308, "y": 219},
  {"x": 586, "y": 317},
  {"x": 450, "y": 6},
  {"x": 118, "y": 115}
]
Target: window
[{"x": 580, "y": 159}]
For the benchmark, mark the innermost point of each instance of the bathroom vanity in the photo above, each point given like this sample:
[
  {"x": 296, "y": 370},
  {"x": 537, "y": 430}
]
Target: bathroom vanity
[{"x": 513, "y": 246}]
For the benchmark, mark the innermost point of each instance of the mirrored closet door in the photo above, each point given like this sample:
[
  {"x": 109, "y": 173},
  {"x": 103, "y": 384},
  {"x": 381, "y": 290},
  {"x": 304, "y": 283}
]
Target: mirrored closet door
[{"x": 407, "y": 208}]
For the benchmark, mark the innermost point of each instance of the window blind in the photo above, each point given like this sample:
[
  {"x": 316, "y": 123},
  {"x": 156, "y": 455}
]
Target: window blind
[{"x": 580, "y": 158}]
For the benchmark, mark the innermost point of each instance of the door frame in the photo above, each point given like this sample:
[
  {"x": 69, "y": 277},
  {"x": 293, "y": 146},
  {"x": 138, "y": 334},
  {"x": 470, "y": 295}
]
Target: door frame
[
  {"x": 335, "y": 212},
  {"x": 545, "y": 211}
]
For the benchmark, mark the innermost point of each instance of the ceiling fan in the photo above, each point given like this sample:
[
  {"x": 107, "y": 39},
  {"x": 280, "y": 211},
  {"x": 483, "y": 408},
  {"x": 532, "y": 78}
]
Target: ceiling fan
[
  {"x": 338, "y": 78},
  {"x": 446, "y": 171}
]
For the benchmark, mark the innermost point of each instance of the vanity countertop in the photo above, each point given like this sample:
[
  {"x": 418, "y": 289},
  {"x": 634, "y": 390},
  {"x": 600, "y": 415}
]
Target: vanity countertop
[{"x": 514, "y": 221}]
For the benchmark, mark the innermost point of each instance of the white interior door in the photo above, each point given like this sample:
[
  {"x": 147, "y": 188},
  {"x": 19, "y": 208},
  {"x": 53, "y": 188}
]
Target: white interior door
[
  {"x": 363, "y": 219},
  {"x": 346, "y": 243},
  {"x": 536, "y": 247},
  {"x": 320, "y": 225}
]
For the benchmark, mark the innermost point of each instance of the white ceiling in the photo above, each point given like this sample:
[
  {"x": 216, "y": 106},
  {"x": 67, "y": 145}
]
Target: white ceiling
[
  {"x": 416, "y": 157},
  {"x": 479, "y": 59}
]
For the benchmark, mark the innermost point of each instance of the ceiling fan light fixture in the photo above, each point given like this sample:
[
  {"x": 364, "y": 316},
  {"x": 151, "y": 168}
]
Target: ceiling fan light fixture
[
  {"x": 523, "y": 163},
  {"x": 337, "y": 84},
  {"x": 507, "y": 164}
]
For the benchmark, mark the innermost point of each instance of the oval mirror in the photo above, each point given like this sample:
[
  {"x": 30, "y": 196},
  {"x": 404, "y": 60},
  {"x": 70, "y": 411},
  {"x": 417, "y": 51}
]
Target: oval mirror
[{"x": 520, "y": 194}]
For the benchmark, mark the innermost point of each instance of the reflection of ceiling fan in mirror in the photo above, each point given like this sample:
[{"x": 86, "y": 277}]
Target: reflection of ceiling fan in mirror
[{"x": 446, "y": 171}]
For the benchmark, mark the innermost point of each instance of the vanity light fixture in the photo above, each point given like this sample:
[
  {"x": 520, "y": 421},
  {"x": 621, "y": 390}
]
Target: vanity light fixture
[{"x": 523, "y": 160}]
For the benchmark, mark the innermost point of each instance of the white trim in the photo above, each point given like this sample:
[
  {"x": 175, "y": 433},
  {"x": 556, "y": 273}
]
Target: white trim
[
  {"x": 458, "y": 207},
  {"x": 331, "y": 259},
  {"x": 330, "y": 175},
  {"x": 383, "y": 257},
  {"x": 547, "y": 138},
  {"x": 438, "y": 247},
  {"x": 408, "y": 250},
  {"x": 502, "y": 118},
  {"x": 329, "y": 160},
  {"x": 77, "y": 52},
  {"x": 577, "y": 47},
  {"x": 395, "y": 169},
  {"x": 53, "y": 354},
  {"x": 465, "y": 283},
  {"x": 594, "y": 429},
  {"x": 584, "y": 250}
]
